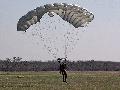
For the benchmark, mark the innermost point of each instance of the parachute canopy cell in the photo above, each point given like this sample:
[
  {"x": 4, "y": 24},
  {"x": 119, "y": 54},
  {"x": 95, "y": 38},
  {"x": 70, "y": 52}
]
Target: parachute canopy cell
[{"x": 75, "y": 15}]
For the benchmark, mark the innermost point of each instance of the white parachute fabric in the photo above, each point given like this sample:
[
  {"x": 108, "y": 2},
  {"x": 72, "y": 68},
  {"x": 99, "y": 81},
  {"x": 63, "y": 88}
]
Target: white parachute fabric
[{"x": 75, "y": 15}]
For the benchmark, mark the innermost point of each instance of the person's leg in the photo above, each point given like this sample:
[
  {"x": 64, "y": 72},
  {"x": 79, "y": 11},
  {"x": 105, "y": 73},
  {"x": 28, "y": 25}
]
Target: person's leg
[{"x": 64, "y": 76}]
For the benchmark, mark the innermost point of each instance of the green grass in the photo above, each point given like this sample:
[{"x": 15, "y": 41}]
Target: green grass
[{"x": 53, "y": 81}]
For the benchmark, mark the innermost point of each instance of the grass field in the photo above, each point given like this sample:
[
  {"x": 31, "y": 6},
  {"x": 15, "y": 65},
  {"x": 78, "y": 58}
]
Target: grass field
[{"x": 53, "y": 81}]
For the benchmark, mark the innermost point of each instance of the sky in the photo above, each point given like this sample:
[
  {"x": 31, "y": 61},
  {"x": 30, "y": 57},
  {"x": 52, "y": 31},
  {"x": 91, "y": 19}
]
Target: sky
[{"x": 98, "y": 41}]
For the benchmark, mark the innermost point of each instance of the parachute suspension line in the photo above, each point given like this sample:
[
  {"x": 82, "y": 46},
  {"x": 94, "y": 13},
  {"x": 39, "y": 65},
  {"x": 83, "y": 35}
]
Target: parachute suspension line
[
  {"x": 74, "y": 40},
  {"x": 52, "y": 51},
  {"x": 49, "y": 49},
  {"x": 71, "y": 39},
  {"x": 36, "y": 30},
  {"x": 65, "y": 48},
  {"x": 66, "y": 45}
]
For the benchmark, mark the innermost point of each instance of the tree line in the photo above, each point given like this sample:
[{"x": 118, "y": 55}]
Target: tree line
[{"x": 16, "y": 64}]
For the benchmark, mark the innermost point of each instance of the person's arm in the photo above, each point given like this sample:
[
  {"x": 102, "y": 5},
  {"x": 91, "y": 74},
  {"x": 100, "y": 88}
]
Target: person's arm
[{"x": 60, "y": 69}]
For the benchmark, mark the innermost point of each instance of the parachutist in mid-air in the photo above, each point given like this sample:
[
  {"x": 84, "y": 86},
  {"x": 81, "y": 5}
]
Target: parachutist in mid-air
[{"x": 62, "y": 69}]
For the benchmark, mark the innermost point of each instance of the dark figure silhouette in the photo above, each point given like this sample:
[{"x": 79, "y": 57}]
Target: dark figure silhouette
[{"x": 62, "y": 69}]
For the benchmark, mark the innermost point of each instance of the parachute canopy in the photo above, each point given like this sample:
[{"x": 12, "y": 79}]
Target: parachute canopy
[{"x": 75, "y": 15}]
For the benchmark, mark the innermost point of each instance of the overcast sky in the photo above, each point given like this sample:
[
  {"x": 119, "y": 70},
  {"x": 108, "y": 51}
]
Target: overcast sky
[{"x": 99, "y": 41}]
